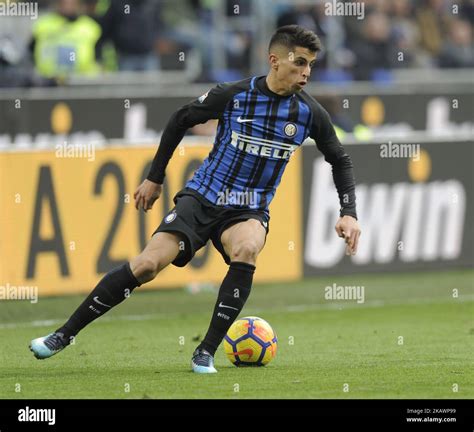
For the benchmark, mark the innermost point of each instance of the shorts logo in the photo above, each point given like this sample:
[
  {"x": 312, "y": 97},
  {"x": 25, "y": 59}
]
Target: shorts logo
[
  {"x": 171, "y": 217},
  {"x": 265, "y": 224},
  {"x": 290, "y": 129}
]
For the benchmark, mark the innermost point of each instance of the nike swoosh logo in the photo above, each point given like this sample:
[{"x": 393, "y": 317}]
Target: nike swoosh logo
[
  {"x": 248, "y": 351},
  {"x": 96, "y": 299},
  {"x": 228, "y": 307},
  {"x": 241, "y": 120}
]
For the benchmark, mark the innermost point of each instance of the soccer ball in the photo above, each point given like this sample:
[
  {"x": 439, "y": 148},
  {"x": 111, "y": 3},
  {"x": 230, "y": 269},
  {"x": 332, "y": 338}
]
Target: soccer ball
[{"x": 250, "y": 341}]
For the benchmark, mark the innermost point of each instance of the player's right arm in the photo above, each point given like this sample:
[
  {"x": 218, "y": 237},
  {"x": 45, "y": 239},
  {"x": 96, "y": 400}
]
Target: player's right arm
[{"x": 210, "y": 105}]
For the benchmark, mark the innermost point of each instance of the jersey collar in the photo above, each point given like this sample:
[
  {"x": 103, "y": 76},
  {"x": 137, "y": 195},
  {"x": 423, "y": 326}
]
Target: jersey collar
[{"x": 261, "y": 85}]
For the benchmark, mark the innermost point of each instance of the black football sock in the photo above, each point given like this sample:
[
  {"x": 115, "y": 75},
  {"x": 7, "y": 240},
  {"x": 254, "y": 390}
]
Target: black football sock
[
  {"x": 112, "y": 289},
  {"x": 233, "y": 294}
]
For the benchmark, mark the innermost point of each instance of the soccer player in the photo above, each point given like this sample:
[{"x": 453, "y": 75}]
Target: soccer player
[{"x": 262, "y": 121}]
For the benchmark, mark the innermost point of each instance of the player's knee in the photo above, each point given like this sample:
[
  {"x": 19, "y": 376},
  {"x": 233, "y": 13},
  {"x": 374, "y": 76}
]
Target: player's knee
[
  {"x": 145, "y": 268},
  {"x": 245, "y": 251}
]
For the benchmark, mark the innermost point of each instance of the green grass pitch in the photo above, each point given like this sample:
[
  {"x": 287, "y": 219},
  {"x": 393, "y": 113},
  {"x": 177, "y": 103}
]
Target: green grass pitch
[{"x": 411, "y": 338}]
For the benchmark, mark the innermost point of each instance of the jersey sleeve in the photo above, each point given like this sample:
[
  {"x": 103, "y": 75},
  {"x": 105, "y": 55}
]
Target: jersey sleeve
[
  {"x": 322, "y": 131},
  {"x": 211, "y": 105}
]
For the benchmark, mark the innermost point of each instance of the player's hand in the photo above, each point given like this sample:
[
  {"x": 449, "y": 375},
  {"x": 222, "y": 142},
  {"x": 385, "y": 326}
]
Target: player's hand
[
  {"x": 146, "y": 194},
  {"x": 347, "y": 228}
]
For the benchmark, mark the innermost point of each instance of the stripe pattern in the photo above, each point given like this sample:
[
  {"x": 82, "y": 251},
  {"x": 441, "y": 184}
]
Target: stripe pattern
[{"x": 255, "y": 139}]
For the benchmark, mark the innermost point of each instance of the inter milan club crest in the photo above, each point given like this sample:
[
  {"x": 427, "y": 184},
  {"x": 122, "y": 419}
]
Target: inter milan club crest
[
  {"x": 171, "y": 217},
  {"x": 290, "y": 129}
]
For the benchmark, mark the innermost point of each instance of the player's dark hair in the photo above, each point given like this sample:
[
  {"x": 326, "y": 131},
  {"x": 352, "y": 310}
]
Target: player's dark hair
[{"x": 292, "y": 36}]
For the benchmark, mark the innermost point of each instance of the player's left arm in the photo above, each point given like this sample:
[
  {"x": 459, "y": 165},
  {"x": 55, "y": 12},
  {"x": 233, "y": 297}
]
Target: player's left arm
[{"x": 323, "y": 133}]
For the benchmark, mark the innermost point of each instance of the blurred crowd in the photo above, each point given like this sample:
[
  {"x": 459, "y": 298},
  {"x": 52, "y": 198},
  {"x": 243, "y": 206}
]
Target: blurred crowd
[
  {"x": 391, "y": 34},
  {"x": 87, "y": 37}
]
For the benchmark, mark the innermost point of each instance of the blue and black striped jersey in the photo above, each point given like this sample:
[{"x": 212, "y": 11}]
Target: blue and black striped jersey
[{"x": 258, "y": 131}]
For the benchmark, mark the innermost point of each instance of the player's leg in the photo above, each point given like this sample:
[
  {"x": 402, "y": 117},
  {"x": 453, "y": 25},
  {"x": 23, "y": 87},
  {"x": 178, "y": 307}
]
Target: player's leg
[
  {"x": 242, "y": 243},
  {"x": 112, "y": 289}
]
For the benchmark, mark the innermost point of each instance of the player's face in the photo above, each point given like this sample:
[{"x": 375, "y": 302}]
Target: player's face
[{"x": 294, "y": 70}]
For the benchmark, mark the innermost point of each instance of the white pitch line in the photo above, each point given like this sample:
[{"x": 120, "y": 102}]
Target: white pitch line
[
  {"x": 292, "y": 308},
  {"x": 373, "y": 303}
]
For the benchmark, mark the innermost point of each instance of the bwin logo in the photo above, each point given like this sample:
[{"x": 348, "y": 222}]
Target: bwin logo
[{"x": 37, "y": 415}]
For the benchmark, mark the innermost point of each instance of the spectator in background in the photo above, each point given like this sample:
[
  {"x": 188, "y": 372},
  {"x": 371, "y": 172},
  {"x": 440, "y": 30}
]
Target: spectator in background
[
  {"x": 457, "y": 50},
  {"x": 238, "y": 52},
  {"x": 238, "y": 42},
  {"x": 132, "y": 26},
  {"x": 406, "y": 37},
  {"x": 64, "y": 41},
  {"x": 13, "y": 72},
  {"x": 467, "y": 11},
  {"x": 354, "y": 28},
  {"x": 181, "y": 32},
  {"x": 375, "y": 50},
  {"x": 431, "y": 22}
]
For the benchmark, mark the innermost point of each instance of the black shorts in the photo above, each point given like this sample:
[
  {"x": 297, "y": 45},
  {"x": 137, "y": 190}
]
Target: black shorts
[{"x": 198, "y": 220}]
